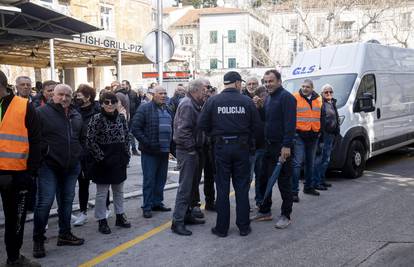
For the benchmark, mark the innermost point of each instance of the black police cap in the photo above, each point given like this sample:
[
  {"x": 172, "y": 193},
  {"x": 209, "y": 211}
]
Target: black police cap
[{"x": 232, "y": 77}]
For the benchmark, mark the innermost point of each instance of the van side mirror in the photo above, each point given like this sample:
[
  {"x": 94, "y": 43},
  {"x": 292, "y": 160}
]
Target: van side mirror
[{"x": 364, "y": 103}]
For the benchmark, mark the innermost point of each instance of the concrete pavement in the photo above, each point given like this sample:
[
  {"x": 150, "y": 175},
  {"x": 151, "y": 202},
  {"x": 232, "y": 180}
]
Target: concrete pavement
[{"x": 362, "y": 222}]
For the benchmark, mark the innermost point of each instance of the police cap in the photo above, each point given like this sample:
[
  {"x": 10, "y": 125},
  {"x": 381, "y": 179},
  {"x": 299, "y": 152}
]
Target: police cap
[{"x": 232, "y": 77}]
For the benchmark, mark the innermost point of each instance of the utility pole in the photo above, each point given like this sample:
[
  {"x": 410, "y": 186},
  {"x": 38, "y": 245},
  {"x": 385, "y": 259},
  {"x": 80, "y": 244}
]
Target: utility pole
[{"x": 160, "y": 64}]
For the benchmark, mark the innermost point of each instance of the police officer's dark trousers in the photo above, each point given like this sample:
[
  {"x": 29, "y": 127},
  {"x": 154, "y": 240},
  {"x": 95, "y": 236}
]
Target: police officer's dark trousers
[
  {"x": 232, "y": 160},
  {"x": 272, "y": 153}
]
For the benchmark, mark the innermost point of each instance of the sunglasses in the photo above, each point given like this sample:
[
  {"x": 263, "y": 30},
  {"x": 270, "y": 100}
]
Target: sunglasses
[
  {"x": 107, "y": 102},
  {"x": 328, "y": 92}
]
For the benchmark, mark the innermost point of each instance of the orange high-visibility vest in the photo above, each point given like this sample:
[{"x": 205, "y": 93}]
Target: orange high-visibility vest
[
  {"x": 14, "y": 141},
  {"x": 308, "y": 118}
]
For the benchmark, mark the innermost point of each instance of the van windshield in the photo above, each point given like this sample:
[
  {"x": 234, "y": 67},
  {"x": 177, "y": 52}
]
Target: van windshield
[{"x": 342, "y": 85}]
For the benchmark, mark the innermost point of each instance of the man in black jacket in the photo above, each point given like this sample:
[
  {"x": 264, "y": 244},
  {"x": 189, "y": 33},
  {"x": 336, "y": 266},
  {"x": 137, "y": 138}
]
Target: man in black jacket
[
  {"x": 61, "y": 127},
  {"x": 134, "y": 102},
  {"x": 14, "y": 184},
  {"x": 188, "y": 139},
  {"x": 151, "y": 126}
]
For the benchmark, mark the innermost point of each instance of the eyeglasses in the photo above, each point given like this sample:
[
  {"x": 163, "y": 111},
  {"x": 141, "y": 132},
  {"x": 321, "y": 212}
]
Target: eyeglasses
[
  {"x": 328, "y": 92},
  {"x": 107, "y": 102}
]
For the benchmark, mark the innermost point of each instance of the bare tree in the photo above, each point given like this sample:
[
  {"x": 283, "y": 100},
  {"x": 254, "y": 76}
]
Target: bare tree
[{"x": 400, "y": 23}]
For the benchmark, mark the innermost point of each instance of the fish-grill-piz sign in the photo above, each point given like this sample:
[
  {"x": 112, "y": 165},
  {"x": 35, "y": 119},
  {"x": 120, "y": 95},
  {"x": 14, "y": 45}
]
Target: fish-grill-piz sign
[{"x": 110, "y": 43}]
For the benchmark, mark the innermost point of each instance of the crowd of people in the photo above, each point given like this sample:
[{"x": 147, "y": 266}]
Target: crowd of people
[{"x": 57, "y": 137}]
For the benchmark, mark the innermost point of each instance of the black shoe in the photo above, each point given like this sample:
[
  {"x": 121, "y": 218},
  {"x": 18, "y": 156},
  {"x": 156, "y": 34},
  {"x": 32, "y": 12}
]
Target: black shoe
[
  {"x": 122, "y": 221},
  {"x": 326, "y": 184},
  {"x": 39, "y": 249},
  {"x": 191, "y": 220},
  {"x": 210, "y": 206},
  {"x": 22, "y": 261},
  {"x": 69, "y": 240},
  {"x": 321, "y": 188},
  {"x": 217, "y": 233},
  {"x": 311, "y": 191},
  {"x": 196, "y": 212},
  {"x": 295, "y": 197},
  {"x": 161, "y": 208},
  {"x": 180, "y": 229},
  {"x": 246, "y": 231},
  {"x": 147, "y": 214},
  {"x": 135, "y": 152},
  {"x": 104, "y": 227}
]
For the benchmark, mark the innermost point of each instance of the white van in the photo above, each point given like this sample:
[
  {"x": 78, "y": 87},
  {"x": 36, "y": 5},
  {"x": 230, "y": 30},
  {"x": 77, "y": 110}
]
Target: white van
[{"x": 374, "y": 88}]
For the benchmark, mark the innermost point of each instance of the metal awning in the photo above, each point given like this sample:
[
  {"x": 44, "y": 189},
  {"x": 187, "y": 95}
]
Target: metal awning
[
  {"x": 68, "y": 54},
  {"x": 28, "y": 21}
]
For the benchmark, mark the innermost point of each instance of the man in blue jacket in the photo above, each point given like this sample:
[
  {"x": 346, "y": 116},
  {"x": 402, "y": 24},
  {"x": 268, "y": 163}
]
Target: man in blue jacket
[
  {"x": 152, "y": 127},
  {"x": 280, "y": 125}
]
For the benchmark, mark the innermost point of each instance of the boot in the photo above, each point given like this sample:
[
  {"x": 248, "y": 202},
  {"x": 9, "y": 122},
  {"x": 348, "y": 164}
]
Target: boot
[
  {"x": 121, "y": 221},
  {"x": 180, "y": 229},
  {"x": 103, "y": 227}
]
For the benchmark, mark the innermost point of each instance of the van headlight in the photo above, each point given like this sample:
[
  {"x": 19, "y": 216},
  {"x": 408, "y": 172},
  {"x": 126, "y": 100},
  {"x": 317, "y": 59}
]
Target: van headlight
[{"x": 341, "y": 119}]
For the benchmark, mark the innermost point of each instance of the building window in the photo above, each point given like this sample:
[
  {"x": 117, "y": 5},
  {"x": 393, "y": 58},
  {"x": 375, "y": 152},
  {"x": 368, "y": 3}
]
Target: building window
[
  {"x": 295, "y": 47},
  {"x": 293, "y": 26},
  {"x": 345, "y": 29},
  {"x": 406, "y": 20},
  {"x": 213, "y": 63},
  {"x": 186, "y": 39},
  {"x": 213, "y": 37},
  {"x": 232, "y": 36},
  {"x": 320, "y": 25},
  {"x": 107, "y": 17},
  {"x": 376, "y": 26},
  {"x": 232, "y": 63}
]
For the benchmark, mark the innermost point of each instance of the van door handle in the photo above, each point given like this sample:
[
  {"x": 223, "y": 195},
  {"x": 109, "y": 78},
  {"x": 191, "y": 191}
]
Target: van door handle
[{"x": 378, "y": 113}]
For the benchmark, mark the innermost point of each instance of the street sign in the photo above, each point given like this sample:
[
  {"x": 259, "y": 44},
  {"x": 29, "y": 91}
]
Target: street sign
[{"x": 150, "y": 46}]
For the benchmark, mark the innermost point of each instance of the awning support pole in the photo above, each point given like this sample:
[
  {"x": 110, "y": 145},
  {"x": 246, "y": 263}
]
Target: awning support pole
[
  {"x": 160, "y": 61},
  {"x": 52, "y": 59},
  {"x": 119, "y": 66}
]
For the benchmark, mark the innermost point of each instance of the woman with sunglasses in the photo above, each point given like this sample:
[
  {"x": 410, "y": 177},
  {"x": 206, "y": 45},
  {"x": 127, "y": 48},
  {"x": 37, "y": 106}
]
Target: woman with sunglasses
[
  {"x": 108, "y": 143},
  {"x": 330, "y": 129}
]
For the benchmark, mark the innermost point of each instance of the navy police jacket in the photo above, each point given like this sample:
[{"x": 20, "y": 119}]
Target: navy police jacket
[{"x": 229, "y": 114}]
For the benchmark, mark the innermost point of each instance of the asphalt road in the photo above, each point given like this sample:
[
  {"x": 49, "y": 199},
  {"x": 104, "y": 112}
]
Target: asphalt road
[{"x": 362, "y": 222}]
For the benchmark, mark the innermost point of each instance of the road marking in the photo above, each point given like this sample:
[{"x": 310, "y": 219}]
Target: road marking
[{"x": 124, "y": 246}]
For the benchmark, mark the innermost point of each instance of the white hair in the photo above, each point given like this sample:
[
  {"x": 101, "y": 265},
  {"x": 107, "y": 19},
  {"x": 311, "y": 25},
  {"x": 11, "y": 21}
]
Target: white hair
[
  {"x": 23, "y": 78},
  {"x": 326, "y": 86}
]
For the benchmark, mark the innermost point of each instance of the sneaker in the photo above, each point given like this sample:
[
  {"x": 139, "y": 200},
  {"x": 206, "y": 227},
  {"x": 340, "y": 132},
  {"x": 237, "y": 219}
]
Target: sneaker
[
  {"x": 147, "y": 214},
  {"x": 39, "y": 249},
  {"x": 282, "y": 222},
  {"x": 122, "y": 221},
  {"x": 69, "y": 240},
  {"x": 82, "y": 219},
  {"x": 196, "y": 212},
  {"x": 295, "y": 197},
  {"x": 23, "y": 261},
  {"x": 108, "y": 213},
  {"x": 161, "y": 208},
  {"x": 73, "y": 218},
  {"x": 217, "y": 233},
  {"x": 321, "y": 188},
  {"x": 245, "y": 232},
  {"x": 311, "y": 191},
  {"x": 103, "y": 227},
  {"x": 261, "y": 217}
]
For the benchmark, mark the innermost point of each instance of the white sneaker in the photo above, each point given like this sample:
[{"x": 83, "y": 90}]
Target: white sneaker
[
  {"x": 73, "y": 218},
  {"x": 82, "y": 219},
  {"x": 108, "y": 213}
]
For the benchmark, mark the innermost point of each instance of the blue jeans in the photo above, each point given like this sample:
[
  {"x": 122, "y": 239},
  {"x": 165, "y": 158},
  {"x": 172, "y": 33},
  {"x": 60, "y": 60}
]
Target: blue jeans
[
  {"x": 304, "y": 153},
  {"x": 322, "y": 159},
  {"x": 51, "y": 183},
  {"x": 154, "y": 169},
  {"x": 255, "y": 169}
]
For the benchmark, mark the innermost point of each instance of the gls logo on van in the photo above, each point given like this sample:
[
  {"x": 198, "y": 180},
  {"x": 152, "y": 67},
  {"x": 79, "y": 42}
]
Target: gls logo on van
[{"x": 304, "y": 70}]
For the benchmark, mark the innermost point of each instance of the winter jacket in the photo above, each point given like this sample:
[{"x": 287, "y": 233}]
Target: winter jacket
[
  {"x": 134, "y": 102},
  {"x": 145, "y": 128},
  {"x": 87, "y": 113},
  {"x": 187, "y": 136},
  {"x": 108, "y": 144},
  {"x": 280, "y": 117},
  {"x": 61, "y": 135},
  {"x": 329, "y": 121},
  {"x": 39, "y": 100}
]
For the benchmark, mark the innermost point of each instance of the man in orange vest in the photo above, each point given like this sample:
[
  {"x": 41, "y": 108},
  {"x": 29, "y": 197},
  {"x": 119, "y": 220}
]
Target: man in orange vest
[
  {"x": 19, "y": 161},
  {"x": 308, "y": 125}
]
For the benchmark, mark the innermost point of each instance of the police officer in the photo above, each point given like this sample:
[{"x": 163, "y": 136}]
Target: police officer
[{"x": 230, "y": 118}]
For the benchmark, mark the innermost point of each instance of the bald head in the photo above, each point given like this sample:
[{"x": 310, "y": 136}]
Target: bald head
[
  {"x": 160, "y": 95},
  {"x": 62, "y": 95}
]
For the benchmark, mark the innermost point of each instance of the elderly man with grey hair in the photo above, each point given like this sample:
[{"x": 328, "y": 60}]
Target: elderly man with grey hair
[
  {"x": 61, "y": 127},
  {"x": 24, "y": 86},
  {"x": 188, "y": 139}
]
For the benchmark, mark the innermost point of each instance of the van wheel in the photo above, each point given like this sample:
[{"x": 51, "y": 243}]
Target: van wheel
[{"x": 355, "y": 161}]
